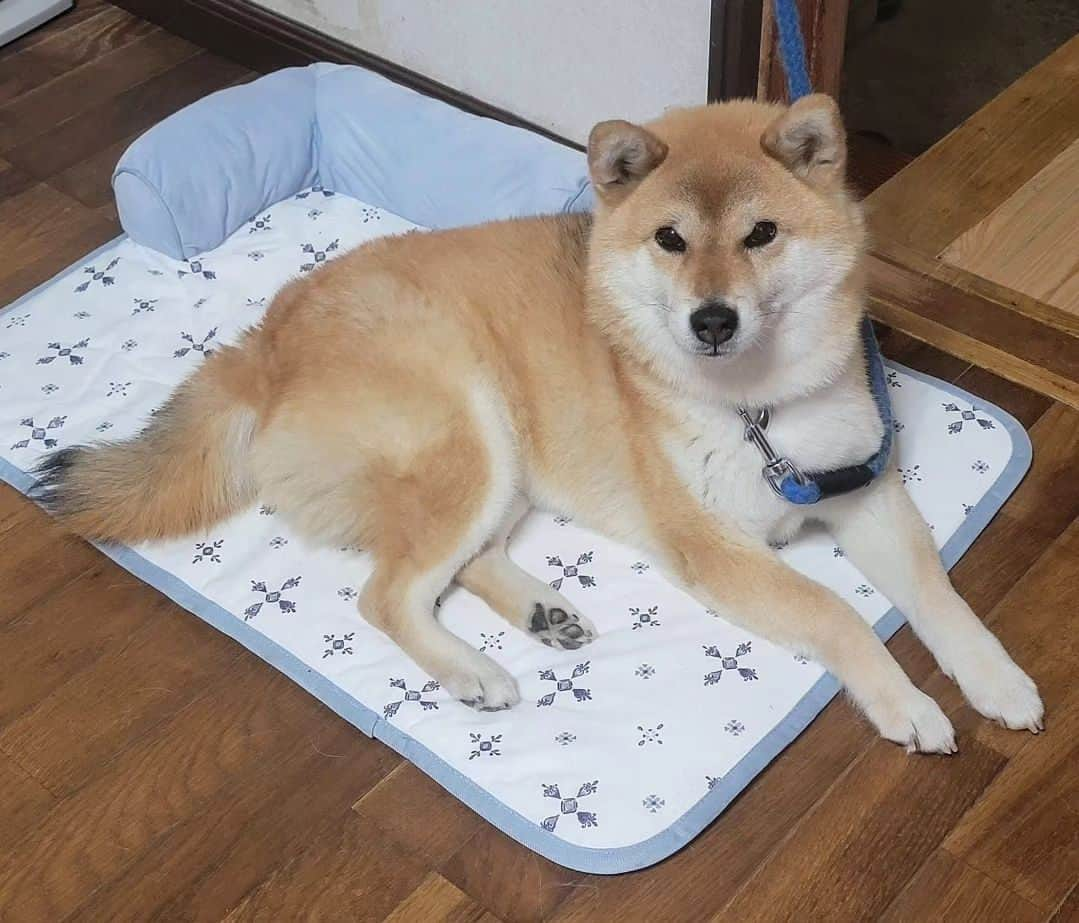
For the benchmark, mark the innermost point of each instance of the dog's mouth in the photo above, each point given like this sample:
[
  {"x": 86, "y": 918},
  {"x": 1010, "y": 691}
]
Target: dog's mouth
[
  {"x": 744, "y": 342},
  {"x": 717, "y": 351},
  {"x": 728, "y": 349}
]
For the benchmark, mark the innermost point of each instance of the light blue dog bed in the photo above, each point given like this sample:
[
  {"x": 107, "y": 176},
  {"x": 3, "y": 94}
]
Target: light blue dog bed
[
  {"x": 619, "y": 754},
  {"x": 187, "y": 184}
]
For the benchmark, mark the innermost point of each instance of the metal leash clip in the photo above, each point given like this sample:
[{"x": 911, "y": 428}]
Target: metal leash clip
[{"x": 776, "y": 467}]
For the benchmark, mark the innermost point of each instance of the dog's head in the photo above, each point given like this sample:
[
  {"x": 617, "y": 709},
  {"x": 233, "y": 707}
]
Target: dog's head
[{"x": 725, "y": 245}]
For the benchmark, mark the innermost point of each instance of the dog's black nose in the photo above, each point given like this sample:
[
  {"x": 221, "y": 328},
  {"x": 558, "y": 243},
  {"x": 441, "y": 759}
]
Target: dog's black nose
[{"x": 713, "y": 323}]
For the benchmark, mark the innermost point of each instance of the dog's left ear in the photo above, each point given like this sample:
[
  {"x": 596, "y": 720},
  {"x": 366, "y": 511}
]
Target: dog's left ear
[{"x": 809, "y": 140}]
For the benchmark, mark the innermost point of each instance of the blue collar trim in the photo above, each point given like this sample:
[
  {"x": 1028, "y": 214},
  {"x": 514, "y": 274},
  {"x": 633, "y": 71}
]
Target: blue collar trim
[{"x": 804, "y": 488}]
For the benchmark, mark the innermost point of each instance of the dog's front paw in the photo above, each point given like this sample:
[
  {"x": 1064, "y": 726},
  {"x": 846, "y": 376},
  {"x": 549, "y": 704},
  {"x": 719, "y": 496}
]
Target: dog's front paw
[
  {"x": 913, "y": 720},
  {"x": 560, "y": 627},
  {"x": 998, "y": 689},
  {"x": 482, "y": 684}
]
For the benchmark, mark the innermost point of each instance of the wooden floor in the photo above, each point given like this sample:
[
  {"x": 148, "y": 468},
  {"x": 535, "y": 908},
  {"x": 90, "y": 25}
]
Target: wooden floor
[{"x": 150, "y": 767}]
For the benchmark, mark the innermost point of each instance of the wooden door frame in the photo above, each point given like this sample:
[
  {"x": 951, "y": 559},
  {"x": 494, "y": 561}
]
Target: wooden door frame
[{"x": 734, "y": 45}]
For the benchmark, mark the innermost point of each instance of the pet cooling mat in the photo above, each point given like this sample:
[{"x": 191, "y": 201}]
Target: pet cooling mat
[{"x": 621, "y": 752}]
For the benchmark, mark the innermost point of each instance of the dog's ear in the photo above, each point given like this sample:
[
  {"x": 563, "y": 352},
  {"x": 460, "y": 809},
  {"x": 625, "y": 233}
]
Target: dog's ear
[
  {"x": 809, "y": 140},
  {"x": 620, "y": 155}
]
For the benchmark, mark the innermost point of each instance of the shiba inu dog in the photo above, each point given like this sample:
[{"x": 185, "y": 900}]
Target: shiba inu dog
[{"x": 437, "y": 385}]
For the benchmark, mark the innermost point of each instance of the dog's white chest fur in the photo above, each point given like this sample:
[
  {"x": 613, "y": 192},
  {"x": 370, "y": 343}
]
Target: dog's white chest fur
[{"x": 830, "y": 429}]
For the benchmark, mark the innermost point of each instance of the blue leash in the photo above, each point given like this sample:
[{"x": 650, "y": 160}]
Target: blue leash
[
  {"x": 803, "y": 488},
  {"x": 792, "y": 50}
]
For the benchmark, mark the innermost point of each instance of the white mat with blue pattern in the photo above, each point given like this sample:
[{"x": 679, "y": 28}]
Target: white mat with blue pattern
[{"x": 620, "y": 753}]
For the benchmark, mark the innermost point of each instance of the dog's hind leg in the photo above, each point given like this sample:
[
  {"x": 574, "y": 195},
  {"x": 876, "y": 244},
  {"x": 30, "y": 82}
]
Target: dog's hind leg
[
  {"x": 524, "y": 601},
  {"x": 428, "y": 520}
]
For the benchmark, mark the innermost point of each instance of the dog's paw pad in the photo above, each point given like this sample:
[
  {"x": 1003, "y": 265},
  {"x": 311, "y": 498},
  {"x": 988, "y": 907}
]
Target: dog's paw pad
[{"x": 561, "y": 628}]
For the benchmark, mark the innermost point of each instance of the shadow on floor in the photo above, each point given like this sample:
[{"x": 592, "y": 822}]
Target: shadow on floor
[{"x": 916, "y": 76}]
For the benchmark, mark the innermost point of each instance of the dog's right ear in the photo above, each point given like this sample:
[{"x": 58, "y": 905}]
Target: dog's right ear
[{"x": 620, "y": 155}]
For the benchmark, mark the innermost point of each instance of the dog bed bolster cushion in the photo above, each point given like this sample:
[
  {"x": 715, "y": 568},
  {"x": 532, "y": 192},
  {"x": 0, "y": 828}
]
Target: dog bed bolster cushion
[{"x": 193, "y": 179}]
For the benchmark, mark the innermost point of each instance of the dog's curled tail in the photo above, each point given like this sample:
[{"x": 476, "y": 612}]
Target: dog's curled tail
[{"x": 189, "y": 468}]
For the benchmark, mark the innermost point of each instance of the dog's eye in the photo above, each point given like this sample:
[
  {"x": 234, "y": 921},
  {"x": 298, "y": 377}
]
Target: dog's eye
[
  {"x": 764, "y": 232},
  {"x": 670, "y": 240}
]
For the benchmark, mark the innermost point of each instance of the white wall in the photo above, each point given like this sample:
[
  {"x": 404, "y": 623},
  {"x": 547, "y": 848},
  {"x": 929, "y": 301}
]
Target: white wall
[{"x": 563, "y": 64}]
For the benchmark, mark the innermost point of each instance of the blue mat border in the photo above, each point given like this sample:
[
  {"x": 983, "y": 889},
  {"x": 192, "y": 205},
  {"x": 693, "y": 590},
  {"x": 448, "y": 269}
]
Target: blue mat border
[{"x": 607, "y": 861}]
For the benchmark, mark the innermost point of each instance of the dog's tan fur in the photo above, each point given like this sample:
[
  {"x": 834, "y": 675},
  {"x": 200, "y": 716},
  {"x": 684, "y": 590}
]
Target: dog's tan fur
[{"x": 415, "y": 396}]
